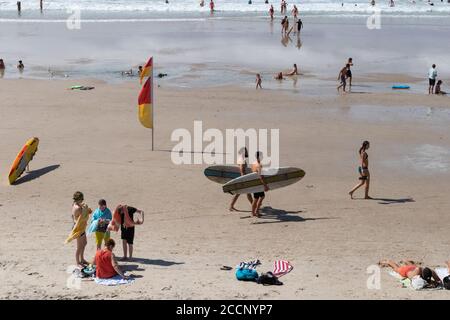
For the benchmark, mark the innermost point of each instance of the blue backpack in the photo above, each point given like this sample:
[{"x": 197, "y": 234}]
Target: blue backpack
[{"x": 246, "y": 274}]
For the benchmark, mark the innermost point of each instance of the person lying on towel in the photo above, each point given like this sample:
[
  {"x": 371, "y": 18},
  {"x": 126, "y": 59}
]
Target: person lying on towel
[
  {"x": 106, "y": 264},
  {"x": 424, "y": 277}
]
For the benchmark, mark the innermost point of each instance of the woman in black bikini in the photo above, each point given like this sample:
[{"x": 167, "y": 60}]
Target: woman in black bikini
[{"x": 363, "y": 171}]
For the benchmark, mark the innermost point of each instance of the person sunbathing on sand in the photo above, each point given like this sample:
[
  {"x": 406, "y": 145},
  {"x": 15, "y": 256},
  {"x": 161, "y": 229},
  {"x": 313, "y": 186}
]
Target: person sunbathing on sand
[
  {"x": 408, "y": 269},
  {"x": 363, "y": 171},
  {"x": 105, "y": 262}
]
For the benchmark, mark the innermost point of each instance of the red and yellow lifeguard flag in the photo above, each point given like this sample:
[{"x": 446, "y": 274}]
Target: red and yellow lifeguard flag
[
  {"x": 145, "y": 105},
  {"x": 147, "y": 70}
]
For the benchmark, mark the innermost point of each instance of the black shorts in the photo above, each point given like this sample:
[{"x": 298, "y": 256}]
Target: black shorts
[
  {"x": 349, "y": 74},
  {"x": 432, "y": 82},
  {"x": 127, "y": 234},
  {"x": 259, "y": 195}
]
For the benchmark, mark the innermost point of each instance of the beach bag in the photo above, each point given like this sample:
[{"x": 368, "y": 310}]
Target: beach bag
[
  {"x": 269, "y": 279},
  {"x": 246, "y": 274}
]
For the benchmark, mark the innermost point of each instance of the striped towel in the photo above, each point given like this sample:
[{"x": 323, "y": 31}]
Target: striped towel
[
  {"x": 249, "y": 265},
  {"x": 281, "y": 267}
]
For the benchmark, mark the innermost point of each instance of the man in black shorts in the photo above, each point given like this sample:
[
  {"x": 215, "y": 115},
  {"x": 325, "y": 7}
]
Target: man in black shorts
[
  {"x": 258, "y": 197},
  {"x": 127, "y": 233}
]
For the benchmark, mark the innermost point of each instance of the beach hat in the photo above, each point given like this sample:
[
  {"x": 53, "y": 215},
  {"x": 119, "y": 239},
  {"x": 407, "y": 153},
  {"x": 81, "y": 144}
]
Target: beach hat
[{"x": 418, "y": 283}]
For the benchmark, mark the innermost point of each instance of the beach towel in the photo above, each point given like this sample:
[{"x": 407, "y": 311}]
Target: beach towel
[
  {"x": 281, "y": 267},
  {"x": 117, "y": 220},
  {"x": 114, "y": 281},
  {"x": 80, "y": 225},
  {"x": 249, "y": 265},
  {"x": 416, "y": 283}
]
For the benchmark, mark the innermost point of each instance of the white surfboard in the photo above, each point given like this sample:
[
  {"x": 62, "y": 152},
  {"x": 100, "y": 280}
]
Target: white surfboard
[{"x": 275, "y": 178}]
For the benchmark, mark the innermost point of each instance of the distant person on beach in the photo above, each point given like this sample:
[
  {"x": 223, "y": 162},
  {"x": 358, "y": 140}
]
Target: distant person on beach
[
  {"x": 127, "y": 228},
  {"x": 282, "y": 6},
  {"x": 343, "y": 77},
  {"x": 349, "y": 71},
  {"x": 295, "y": 11},
  {"x": 258, "y": 197},
  {"x": 202, "y": 3},
  {"x": 279, "y": 76},
  {"x": 363, "y": 171},
  {"x": 2, "y": 65},
  {"x": 372, "y": 2},
  {"x": 299, "y": 25},
  {"x": 294, "y": 71},
  {"x": 20, "y": 66},
  {"x": 258, "y": 81},
  {"x": 105, "y": 262},
  {"x": 438, "y": 90},
  {"x": 242, "y": 163},
  {"x": 211, "y": 6},
  {"x": 432, "y": 75},
  {"x": 41, "y": 4},
  {"x": 420, "y": 277},
  {"x": 285, "y": 25},
  {"x": 80, "y": 216},
  {"x": 271, "y": 12},
  {"x": 101, "y": 217}
]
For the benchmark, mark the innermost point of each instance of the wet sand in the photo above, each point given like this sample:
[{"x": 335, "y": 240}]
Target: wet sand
[{"x": 91, "y": 141}]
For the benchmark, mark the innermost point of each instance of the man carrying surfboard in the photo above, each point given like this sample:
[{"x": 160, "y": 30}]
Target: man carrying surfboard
[
  {"x": 258, "y": 197},
  {"x": 242, "y": 163}
]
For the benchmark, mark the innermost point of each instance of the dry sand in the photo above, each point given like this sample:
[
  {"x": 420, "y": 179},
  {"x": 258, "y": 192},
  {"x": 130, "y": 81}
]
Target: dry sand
[{"x": 101, "y": 149}]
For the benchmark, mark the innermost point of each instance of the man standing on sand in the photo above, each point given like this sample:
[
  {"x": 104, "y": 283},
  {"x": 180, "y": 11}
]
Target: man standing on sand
[
  {"x": 211, "y": 6},
  {"x": 271, "y": 11},
  {"x": 432, "y": 75},
  {"x": 258, "y": 197}
]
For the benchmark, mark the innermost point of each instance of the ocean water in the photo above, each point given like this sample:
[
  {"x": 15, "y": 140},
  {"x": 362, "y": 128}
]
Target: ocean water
[{"x": 138, "y": 8}]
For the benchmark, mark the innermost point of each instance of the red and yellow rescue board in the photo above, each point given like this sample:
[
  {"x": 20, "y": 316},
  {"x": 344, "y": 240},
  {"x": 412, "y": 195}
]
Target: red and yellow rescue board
[{"x": 23, "y": 158}]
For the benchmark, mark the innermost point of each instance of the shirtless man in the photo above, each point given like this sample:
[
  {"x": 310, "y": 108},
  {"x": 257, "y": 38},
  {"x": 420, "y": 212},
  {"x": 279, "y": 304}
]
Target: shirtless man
[
  {"x": 242, "y": 162},
  {"x": 258, "y": 197},
  {"x": 410, "y": 270},
  {"x": 271, "y": 11}
]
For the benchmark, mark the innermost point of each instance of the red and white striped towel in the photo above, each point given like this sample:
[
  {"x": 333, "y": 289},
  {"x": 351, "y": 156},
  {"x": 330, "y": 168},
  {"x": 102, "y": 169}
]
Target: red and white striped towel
[{"x": 281, "y": 267}]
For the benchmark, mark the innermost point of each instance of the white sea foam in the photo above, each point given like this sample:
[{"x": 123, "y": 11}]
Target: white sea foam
[{"x": 402, "y": 7}]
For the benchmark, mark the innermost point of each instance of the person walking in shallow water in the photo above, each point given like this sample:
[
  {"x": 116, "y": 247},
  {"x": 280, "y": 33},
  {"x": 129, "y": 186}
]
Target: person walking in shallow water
[
  {"x": 363, "y": 171},
  {"x": 258, "y": 81}
]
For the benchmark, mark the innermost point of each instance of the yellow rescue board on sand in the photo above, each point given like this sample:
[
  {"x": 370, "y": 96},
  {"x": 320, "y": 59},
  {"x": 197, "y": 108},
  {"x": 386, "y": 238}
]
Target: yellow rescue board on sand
[{"x": 23, "y": 158}]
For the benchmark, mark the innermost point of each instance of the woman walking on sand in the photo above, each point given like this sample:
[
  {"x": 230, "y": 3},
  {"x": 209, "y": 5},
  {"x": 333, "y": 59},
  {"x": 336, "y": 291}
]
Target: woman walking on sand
[{"x": 363, "y": 171}]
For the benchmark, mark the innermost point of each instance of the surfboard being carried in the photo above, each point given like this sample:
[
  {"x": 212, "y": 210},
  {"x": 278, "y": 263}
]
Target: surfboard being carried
[
  {"x": 275, "y": 178},
  {"x": 223, "y": 174},
  {"x": 23, "y": 158}
]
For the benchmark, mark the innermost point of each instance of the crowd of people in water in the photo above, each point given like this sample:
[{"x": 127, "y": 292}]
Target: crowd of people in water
[{"x": 101, "y": 223}]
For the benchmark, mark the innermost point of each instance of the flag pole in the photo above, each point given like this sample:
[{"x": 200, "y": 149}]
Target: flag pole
[{"x": 153, "y": 107}]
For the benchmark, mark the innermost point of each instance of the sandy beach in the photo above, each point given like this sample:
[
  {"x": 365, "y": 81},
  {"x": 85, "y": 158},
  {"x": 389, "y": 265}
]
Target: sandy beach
[{"x": 92, "y": 141}]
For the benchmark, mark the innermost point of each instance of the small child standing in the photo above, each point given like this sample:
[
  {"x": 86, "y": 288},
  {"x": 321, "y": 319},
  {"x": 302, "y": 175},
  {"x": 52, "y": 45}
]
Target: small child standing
[
  {"x": 101, "y": 218},
  {"x": 258, "y": 81}
]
